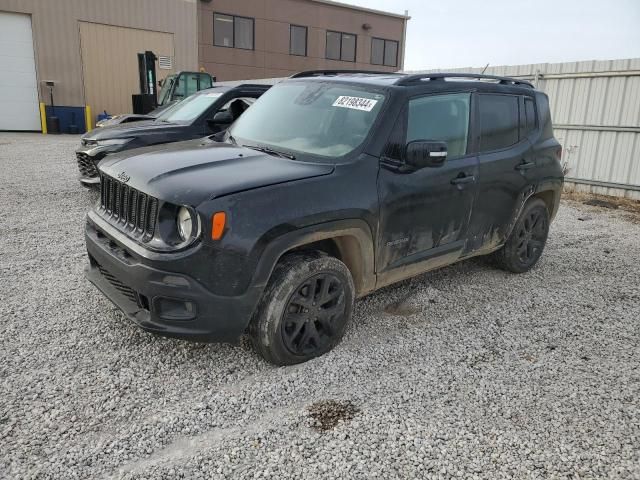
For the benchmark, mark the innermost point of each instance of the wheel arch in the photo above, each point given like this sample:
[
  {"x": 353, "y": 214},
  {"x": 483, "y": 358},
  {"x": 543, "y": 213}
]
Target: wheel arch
[
  {"x": 350, "y": 241},
  {"x": 550, "y": 199},
  {"x": 549, "y": 194}
]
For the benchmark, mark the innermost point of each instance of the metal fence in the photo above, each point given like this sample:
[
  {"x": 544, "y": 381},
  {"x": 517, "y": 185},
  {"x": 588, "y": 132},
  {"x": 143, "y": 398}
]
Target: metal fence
[{"x": 596, "y": 112}]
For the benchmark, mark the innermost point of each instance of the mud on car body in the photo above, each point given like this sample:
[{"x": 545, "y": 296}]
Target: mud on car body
[
  {"x": 332, "y": 185},
  {"x": 207, "y": 112}
]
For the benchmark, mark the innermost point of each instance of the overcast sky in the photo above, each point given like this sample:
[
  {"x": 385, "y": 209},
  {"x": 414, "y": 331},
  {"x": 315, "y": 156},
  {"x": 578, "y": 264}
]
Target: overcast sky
[{"x": 471, "y": 33}]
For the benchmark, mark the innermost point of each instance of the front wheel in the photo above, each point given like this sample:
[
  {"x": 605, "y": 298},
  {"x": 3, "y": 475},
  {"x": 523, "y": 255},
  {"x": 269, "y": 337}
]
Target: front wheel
[
  {"x": 526, "y": 243},
  {"x": 304, "y": 310}
]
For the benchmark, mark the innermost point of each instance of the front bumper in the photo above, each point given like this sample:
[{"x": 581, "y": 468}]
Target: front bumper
[{"x": 161, "y": 301}]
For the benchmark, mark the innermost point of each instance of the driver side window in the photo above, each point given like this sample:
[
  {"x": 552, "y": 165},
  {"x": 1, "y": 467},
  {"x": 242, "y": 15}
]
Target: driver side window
[
  {"x": 443, "y": 118},
  {"x": 237, "y": 106}
]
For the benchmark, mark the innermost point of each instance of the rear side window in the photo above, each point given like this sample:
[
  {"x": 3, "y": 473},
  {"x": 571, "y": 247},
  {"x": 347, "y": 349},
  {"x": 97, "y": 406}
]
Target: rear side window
[
  {"x": 544, "y": 116},
  {"x": 529, "y": 115},
  {"x": 443, "y": 118},
  {"x": 499, "y": 123}
]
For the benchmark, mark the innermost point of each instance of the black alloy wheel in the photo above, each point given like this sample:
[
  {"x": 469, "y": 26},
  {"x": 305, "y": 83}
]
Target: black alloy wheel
[
  {"x": 528, "y": 238},
  {"x": 531, "y": 236},
  {"x": 304, "y": 310},
  {"x": 309, "y": 318}
]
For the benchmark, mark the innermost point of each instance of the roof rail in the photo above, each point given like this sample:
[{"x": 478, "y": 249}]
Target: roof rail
[
  {"x": 328, "y": 73},
  {"x": 412, "y": 79}
]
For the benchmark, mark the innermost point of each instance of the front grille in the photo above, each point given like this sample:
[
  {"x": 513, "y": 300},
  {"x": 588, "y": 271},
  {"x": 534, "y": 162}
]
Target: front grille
[
  {"x": 117, "y": 284},
  {"x": 135, "y": 211},
  {"x": 86, "y": 166}
]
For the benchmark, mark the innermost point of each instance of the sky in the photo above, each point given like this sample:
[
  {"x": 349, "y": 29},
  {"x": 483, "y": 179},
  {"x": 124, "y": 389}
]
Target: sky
[{"x": 472, "y": 33}]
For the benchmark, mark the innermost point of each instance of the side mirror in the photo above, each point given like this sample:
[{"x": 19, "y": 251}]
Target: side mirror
[
  {"x": 424, "y": 153},
  {"x": 220, "y": 119},
  {"x": 223, "y": 118}
]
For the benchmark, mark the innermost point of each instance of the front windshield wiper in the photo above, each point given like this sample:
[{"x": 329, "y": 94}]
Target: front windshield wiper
[{"x": 271, "y": 151}]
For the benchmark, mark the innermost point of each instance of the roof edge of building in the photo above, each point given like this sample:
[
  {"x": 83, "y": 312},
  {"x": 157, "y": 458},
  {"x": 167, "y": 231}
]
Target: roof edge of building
[{"x": 362, "y": 9}]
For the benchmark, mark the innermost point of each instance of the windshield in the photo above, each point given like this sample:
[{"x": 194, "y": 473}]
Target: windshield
[
  {"x": 323, "y": 119},
  {"x": 190, "y": 108}
]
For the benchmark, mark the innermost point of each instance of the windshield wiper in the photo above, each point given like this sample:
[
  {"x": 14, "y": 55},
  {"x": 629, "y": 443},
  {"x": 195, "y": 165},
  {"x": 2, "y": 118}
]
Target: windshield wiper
[
  {"x": 232, "y": 139},
  {"x": 271, "y": 151}
]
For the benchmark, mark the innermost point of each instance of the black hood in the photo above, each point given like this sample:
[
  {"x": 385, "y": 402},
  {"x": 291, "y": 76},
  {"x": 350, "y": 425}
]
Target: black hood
[
  {"x": 135, "y": 129},
  {"x": 189, "y": 173}
]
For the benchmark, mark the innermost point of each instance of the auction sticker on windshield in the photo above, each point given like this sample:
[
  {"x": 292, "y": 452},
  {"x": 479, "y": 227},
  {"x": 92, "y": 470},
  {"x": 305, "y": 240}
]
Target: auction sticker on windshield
[{"x": 356, "y": 103}]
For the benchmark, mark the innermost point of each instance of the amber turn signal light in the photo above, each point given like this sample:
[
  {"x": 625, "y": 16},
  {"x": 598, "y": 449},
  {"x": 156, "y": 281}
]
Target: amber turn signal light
[{"x": 218, "y": 222}]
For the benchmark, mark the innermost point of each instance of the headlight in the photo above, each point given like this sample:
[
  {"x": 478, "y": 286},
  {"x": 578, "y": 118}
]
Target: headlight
[
  {"x": 113, "y": 141},
  {"x": 185, "y": 224}
]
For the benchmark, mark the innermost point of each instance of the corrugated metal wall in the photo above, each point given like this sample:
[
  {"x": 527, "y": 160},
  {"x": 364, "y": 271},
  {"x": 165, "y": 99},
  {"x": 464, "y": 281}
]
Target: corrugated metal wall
[{"x": 596, "y": 114}]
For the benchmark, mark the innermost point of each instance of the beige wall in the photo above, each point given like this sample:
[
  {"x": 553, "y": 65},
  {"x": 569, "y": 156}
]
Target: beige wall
[
  {"x": 105, "y": 46},
  {"x": 272, "y": 19},
  {"x": 56, "y": 31}
]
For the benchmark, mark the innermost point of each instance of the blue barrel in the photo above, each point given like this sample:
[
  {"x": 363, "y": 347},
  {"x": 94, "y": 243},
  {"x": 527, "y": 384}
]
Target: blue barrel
[{"x": 103, "y": 116}]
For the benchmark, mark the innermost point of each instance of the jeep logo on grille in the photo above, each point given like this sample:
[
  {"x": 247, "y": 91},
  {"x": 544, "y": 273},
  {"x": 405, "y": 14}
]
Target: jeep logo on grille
[{"x": 124, "y": 177}]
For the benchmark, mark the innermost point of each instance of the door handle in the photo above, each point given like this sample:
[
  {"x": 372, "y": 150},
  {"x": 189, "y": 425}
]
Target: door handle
[
  {"x": 461, "y": 181},
  {"x": 525, "y": 166}
]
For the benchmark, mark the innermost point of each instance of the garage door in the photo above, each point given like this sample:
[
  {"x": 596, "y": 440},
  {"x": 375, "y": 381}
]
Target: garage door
[{"x": 19, "y": 108}]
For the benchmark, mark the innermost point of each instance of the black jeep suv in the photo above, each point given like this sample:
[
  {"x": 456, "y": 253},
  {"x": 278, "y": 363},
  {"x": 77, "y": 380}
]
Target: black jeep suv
[
  {"x": 333, "y": 185},
  {"x": 207, "y": 112}
]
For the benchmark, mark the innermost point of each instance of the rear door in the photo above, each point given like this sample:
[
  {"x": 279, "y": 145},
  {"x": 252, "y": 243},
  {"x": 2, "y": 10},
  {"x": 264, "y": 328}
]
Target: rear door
[{"x": 506, "y": 168}]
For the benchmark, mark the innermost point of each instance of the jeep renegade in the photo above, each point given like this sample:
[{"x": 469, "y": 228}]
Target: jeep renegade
[{"x": 334, "y": 184}]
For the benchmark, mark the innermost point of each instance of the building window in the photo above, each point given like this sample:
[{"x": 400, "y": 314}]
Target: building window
[
  {"x": 384, "y": 52},
  {"x": 341, "y": 46},
  {"x": 232, "y": 31},
  {"x": 298, "y": 40}
]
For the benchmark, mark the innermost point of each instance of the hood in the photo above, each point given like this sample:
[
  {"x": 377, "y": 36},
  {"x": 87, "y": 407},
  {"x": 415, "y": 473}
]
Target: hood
[
  {"x": 119, "y": 119},
  {"x": 134, "y": 129},
  {"x": 189, "y": 173}
]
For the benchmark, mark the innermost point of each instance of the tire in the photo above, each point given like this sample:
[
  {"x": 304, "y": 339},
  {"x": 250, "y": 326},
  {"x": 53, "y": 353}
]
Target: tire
[
  {"x": 528, "y": 238},
  {"x": 291, "y": 325}
]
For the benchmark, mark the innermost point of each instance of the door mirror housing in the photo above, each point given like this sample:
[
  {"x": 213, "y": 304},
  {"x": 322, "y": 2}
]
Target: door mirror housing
[
  {"x": 220, "y": 119},
  {"x": 425, "y": 153}
]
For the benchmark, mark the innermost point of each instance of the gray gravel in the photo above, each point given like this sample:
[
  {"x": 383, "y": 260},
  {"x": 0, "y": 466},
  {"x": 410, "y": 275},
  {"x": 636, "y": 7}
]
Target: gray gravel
[{"x": 467, "y": 371}]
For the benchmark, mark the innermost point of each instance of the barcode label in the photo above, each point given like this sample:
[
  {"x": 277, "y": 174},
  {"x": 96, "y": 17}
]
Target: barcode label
[{"x": 356, "y": 103}]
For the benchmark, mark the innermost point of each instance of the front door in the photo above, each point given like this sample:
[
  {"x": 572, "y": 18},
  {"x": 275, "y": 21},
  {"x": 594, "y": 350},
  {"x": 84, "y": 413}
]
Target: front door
[{"x": 424, "y": 213}]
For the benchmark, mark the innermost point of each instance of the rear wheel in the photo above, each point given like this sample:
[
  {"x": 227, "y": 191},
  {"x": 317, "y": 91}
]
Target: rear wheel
[
  {"x": 304, "y": 310},
  {"x": 527, "y": 240}
]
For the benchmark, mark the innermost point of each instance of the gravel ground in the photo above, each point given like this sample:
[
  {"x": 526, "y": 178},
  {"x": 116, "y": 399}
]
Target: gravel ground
[{"x": 467, "y": 371}]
